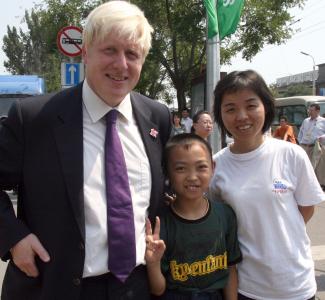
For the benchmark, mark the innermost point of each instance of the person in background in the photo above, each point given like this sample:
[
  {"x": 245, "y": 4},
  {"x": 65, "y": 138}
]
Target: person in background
[
  {"x": 272, "y": 188},
  {"x": 197, "y": 254},
  {"x": 186, "y": 120},
  {"x": 311, "y": 138},
  {"x": 69, "y": 240},
  {"x": 202, "y": 124},
  {"x": 285, "y": 131},
  {"x": 177, "y": 127}
]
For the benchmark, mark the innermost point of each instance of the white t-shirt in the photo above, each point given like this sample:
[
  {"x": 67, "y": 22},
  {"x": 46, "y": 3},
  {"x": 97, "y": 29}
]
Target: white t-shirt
[{"x": 265, "y": 187}]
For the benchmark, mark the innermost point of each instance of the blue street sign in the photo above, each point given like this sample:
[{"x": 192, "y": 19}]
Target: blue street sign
[{"x": 71, "y": 74}]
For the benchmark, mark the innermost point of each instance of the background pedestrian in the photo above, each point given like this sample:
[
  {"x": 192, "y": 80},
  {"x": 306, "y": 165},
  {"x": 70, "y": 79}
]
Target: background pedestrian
[
  {"x": 285, "y": 131},
  {"x": 177, "y": 127},
  {"x": 202, "y": 124}
]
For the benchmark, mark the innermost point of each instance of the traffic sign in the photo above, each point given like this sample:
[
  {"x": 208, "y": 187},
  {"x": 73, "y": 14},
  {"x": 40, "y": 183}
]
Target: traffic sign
[
  {"x": 71, "y": 74},
  {"x": 69, "y": 41}
]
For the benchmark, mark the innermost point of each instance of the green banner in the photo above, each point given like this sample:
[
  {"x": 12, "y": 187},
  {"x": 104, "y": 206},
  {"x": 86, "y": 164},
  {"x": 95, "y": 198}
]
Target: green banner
[
  {"x": 212, "y": 18},
  {"x": 223, "y": 19},
  {"x": 229, "y": 12}
]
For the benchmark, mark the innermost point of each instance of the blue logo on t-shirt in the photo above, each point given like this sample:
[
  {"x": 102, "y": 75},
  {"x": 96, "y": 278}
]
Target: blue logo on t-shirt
[{"x": 279, "y": 186}]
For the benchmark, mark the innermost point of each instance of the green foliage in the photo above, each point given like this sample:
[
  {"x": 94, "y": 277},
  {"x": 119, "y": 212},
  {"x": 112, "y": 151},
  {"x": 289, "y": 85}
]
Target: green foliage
[
  {"x": 35, "y": 51},
  {"x": 274, "y": 89},
  {"x": 179, "y": 41},
  {"x": 297, "y": 90},
  {"x": 263, "y": 22}
]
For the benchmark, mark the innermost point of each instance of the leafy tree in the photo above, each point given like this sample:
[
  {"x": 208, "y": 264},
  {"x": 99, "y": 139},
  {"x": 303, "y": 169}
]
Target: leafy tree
[
  {"x": 179, "y": 41},
  {"x": 296, "y": 90},
  {"x": 35, "y": 51}
]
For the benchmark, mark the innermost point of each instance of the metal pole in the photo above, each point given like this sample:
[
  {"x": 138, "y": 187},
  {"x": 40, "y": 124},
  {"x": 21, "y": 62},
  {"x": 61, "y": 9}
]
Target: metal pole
[
  {"x": 212, "y": 77},
  {"x": 314, "y": 80},
  {"x": 314, "y": 71}
]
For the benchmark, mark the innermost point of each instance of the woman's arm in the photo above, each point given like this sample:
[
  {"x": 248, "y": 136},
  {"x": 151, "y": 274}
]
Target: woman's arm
[
  {"x": 230, "y": 290},
  {"x": 306, "y": 212}
]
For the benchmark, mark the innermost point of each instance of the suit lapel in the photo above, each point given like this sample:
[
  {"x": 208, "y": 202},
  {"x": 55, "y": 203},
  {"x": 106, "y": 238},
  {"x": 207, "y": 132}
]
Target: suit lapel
[
  {"x": 147, "y": 127},
  {"x": 68, "y": 134},
  {"x": 152, "y": 143}
]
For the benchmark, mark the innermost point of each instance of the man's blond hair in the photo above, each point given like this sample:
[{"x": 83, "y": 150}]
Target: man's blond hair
[{"x": 126, "y": 20}]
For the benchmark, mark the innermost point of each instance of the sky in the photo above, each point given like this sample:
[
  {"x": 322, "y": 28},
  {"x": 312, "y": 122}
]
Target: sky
[{"x": 272, "y": 62}]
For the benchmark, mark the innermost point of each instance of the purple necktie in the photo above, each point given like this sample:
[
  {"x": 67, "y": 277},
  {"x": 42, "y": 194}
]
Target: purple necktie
[{"x": 120, "y": 222}]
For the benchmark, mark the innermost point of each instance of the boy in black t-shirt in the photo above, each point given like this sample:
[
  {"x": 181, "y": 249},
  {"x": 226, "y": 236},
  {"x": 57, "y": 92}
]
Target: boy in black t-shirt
[{"x": 193, "y": 251}]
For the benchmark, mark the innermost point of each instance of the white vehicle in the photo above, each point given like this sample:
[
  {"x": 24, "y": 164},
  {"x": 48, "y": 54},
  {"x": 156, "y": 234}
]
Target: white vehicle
[{"x": 296, "y": 109}]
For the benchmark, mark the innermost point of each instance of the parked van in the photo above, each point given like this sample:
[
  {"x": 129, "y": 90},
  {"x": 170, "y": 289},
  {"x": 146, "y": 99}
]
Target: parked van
[
  {"x": 14, "y": 87},
  {"x": 295, "y": 109}
]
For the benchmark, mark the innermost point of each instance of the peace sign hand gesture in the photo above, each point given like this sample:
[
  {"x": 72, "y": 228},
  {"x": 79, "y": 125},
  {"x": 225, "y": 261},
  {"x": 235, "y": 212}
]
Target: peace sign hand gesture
[{"x": 155, "y": 247}]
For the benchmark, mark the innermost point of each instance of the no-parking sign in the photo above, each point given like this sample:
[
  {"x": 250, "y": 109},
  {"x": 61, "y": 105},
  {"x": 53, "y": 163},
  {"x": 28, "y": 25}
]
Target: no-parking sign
[{"x": 69, "y": 40}]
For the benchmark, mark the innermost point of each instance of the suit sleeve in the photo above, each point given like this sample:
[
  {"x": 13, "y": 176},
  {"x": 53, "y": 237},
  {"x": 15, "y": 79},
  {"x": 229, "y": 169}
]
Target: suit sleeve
[
  {"x": 166, "y": 120},
  {"x": 12, "y": 229}
]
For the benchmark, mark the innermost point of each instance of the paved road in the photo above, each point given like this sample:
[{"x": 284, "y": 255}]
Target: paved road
[{"x": 316, "y": 232}]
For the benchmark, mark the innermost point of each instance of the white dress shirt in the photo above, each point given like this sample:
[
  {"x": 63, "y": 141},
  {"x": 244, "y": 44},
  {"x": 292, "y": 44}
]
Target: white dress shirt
[
  {"x": 188, "y": 123},
  {"x": 312, "y": 129},
  {"x": 138, "y": 168}
]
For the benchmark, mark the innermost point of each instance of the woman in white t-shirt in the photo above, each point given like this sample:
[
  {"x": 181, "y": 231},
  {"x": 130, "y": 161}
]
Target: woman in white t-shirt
[{"x": 271, "y": 186}]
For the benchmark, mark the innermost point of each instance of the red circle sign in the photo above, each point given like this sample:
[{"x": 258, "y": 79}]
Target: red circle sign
[{"x": 69, "y": 40}]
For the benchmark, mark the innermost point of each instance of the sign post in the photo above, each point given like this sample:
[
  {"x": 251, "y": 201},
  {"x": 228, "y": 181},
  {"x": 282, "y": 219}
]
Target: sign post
[{"x": 69, "y": 41}]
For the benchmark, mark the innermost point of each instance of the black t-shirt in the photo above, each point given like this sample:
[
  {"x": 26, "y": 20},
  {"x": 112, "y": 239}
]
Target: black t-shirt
[{"x": 199, "y": 252}]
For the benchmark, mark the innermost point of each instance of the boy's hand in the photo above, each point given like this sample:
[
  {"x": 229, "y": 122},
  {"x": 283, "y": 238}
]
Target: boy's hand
[{"x": 155, "y": 247}]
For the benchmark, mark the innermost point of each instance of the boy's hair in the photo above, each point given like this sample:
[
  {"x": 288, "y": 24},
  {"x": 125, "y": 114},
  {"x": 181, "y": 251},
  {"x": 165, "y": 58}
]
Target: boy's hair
[
  {"x": 125, "y": 19},
  {"x": 186, "y": 140},
  {"x": 244, "y": 80}
]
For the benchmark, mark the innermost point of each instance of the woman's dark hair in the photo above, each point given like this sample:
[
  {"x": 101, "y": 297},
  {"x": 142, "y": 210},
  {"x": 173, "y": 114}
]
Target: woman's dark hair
[
  {"x": 176, "y": 113},
  {"x": 185, "y": 140},
  {"x": 244, "y": 80},
  {"x": 197, "y": 117}
]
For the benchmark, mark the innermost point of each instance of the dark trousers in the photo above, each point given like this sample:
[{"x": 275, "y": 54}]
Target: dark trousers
[
  {"x": 107, "y": 287},
  {"x": 173, "y": 295},
  {"x": 242, "y": 297}
]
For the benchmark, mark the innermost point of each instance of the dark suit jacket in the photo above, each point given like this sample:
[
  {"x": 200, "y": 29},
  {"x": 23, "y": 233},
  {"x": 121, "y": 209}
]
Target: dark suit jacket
[{"x": 41, "y": 149}]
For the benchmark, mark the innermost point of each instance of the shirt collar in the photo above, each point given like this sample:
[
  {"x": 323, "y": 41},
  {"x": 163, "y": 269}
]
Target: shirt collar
[
  {"x": 97, "y": 108},
  {"x": 314, "y": 120}
]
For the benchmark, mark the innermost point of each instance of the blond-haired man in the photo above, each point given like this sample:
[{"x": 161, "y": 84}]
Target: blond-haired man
[{"x": 54, "y": 149}]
